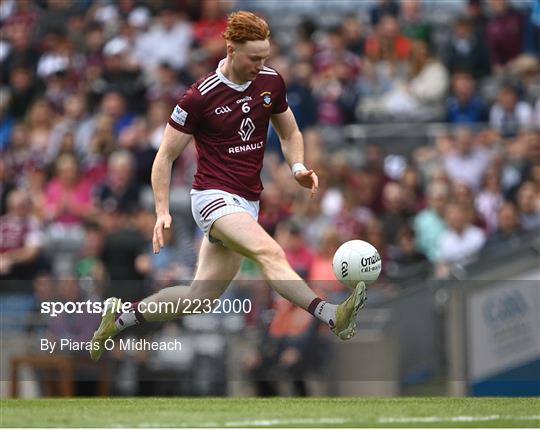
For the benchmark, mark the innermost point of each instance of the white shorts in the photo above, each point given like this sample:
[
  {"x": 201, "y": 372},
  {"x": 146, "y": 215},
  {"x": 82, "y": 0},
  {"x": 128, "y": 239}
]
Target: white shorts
[{"x": 207, "y": 206}]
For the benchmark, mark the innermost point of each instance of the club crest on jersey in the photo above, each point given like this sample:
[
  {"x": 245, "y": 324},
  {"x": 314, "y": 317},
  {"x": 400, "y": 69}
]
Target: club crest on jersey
[{"x": 267, "y": 99}]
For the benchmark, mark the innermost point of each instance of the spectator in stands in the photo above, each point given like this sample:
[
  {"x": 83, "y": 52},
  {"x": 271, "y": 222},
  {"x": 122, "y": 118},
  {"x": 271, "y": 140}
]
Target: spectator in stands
[
  {"x": 39, "y": 121},
  {"x": 208, "y": 29},
  {"x": 467, "y": 52},
  {"x": 166, "y": 86},
  {"x": 404, "y": 259},
  {"x": 388, "y": 43},
  {"x": 299, "y": 254},
  {"x": 22, "y": 51},
  {"x": 336, "y": 71},
  {"x": 122, "y": 75},
  {"x": 528, "y": 200},
  {"x": 135, "y": 138},
  {"x": 334, "y": 54},
  {"x": 411, "y": 186},
  {"x": 374, "y": 234},
  {"x": 321, "y": 272},
  {"x": 21, "y": 238},
  {"x": 75, "y": 121},
  {"x": 89, "y": 268},
  {"x": 55, "y": 71},
  {"x": 24, "y": 89},
  {"x": 114, "y": 106},
  {"x": 119, "y": 192},
  {"x": 312, "y": 219},
  {"x": 168, "y": 40},
  {"x": 348, "y": 215},
  {"x": 68, "y": 195},
  {"x": 413, "y": 22},
  {"x": 508, "y": 226},
  {"x": 461, "y": 242},
  {"x": 504, "y": 33},
  {"x": 273, "y": 211},
  {"x": 382, "y": 9},
  {"x": 385, "y": 59},
  {"x": 509, "y": 116},
  {"x": 19, "y": 157},
  {"x": 525, "y": 69},
  {"x": 475, "y": 12},
  {"x": 429, "y": 224},
  {"x": 464, "y": 195},
  {"x": 300, "y": 94},
  {"x": 395, "y": 214},
  {"x": 56, "y": 16},
  {"x": 94, "y": 40},
  {"x": 386, "y": 49},
  {"x": 353, "y": 35},
  {"x": 466, "y": 163},
  {"x": 166, "y": 267},
  {"x": 124, "y": 256},
  {"x": 465, "y": 105},
  {"x": 490, "y": 199},
  {"x": 420, "y": 96}
]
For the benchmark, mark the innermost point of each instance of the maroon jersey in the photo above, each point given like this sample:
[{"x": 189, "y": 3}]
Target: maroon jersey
[{"x": 230, "y": 124}]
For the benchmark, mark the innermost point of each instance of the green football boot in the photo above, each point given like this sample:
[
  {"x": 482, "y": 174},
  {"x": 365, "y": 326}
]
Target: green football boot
[
  {"x": 106, "y": 329},
  {"x": 346, "y": 312}
]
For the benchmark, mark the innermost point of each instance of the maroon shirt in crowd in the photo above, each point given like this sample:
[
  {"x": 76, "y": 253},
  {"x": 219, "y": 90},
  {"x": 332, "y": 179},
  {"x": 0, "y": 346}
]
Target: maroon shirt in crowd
[
  {"x": 230, "y": 124},
  {"x": 505, "y": 37}
]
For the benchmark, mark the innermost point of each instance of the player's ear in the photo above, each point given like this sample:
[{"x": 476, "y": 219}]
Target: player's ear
[{"x": 230, "y": 49}]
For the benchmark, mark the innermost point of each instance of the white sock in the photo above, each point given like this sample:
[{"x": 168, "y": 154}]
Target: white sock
[
  {"x": 127, "y": 319},
  {"x": 326, "y": 312}
]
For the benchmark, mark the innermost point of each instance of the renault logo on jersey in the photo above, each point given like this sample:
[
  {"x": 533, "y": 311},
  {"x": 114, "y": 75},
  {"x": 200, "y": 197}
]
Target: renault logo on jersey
[
  {"x": 267, "y": 99},
  {"x": 246, "y": 129},
  {"x": 222, "y": 109}
]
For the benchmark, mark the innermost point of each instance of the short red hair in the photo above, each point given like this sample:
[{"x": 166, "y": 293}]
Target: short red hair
[{"x": 245, "y": 26}]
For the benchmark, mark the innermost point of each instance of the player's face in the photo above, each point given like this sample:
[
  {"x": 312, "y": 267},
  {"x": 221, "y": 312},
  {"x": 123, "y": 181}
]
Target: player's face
[{"x": 248, "y": 58}]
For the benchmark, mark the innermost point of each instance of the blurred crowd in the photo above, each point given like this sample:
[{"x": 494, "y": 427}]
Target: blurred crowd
[{"x": 87, "y": 88}]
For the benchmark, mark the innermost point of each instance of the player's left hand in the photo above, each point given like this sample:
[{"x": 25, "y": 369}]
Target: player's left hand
[{"x": 308, "y": 179}]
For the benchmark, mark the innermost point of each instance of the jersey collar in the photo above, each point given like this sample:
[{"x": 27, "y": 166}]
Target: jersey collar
[{"x": 229, "y": 83}]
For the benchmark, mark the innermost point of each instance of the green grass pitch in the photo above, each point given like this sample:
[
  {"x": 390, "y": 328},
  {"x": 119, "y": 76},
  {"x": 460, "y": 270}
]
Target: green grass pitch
[{"x": 275, "y": 412}]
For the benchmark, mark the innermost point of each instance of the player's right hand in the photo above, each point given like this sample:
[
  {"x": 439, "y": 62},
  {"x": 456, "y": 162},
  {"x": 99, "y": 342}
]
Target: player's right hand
[{"x": 163, "y": 221}]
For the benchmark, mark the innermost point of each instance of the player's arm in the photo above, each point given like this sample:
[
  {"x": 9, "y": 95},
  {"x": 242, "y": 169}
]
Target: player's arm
[
  {"x": 172, "y": 145},
  {"x": 292, "y": 145}
]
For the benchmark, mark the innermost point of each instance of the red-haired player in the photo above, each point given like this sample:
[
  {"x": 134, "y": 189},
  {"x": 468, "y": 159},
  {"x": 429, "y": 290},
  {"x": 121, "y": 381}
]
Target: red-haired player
[{"x": 227, "y": 114}]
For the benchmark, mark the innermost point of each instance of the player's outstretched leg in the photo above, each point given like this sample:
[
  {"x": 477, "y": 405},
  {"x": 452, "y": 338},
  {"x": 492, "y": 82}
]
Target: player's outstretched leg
[
  {"x": 217, "y": 267},
  {"x": 240, "y": 232}
]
